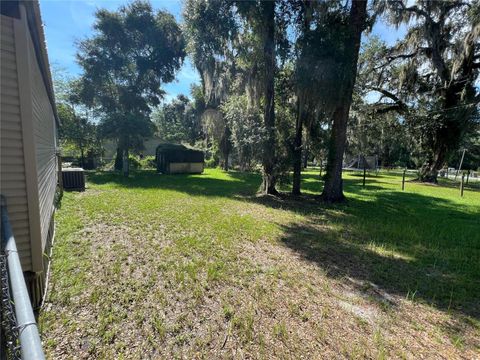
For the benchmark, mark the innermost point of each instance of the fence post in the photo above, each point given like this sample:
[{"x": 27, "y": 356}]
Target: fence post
[
  {"x": 461, "y": 185},
  {"x": 461, "y": 162},
  {"x": 468, "y": 175},
  {"x": 403, "y": 179}
]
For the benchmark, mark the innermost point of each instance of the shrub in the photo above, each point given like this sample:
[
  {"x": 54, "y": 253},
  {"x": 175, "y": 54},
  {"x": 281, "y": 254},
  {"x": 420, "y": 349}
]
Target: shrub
[
  {"x": 148, "y": 162},
  {"x": 134, "y": 162},
  {"x": 211, "y": 163}
]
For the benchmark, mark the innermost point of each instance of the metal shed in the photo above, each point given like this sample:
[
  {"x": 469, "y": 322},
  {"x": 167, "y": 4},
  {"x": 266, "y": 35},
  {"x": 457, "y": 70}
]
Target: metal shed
[
  {"x": 178, "y": 159},
  {"x": 28, "y": 128}
]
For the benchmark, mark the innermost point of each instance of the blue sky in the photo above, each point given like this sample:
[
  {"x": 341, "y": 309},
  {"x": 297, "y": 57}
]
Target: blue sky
[{"x": 69, "y": 20}]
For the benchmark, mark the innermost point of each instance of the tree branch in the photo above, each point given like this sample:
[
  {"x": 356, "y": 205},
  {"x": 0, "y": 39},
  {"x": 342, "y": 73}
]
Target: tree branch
[
  {"x": 386, "y": 108},
  {"x": 386, "y": 93},
  {"x": 401, "y": 56},
  {"x": 399, "y": 104},
  {"x": 419, "y": 50}
]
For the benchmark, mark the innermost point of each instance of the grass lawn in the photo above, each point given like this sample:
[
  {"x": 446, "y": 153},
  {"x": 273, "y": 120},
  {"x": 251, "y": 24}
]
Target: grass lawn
[{"x": 178, "y": 266}]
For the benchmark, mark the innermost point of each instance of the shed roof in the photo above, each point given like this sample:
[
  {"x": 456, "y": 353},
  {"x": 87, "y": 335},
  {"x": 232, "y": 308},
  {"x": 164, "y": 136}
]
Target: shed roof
[
  {"x": 179, "y": 153},
  {"x": 171, "y": 147}
]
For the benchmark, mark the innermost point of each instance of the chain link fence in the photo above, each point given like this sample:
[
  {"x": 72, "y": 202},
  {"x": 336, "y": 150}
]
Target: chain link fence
[
  {"x": 19, "y": 337},
  {"x": 10, "y": 344}
]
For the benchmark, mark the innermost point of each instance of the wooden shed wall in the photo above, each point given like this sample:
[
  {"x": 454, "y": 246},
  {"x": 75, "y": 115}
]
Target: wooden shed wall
[
  {"x": 185, "y": 168},
  {"x": 44, "y": 134},
  {"x": 13, "y": 178}
]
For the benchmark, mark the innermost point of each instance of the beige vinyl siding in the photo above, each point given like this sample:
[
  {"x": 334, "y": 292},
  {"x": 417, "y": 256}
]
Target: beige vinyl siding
[
  {"x": 45, "y": 141},
  {"x": 12, "y": 174}
]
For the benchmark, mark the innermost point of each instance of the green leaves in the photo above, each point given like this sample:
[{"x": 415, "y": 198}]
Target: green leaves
[
  {"x": 179, "y": 120},
  {"x": 429, "y": 76},
  {"x": 77, "y": 134},
  {"x": 133, "y": 52}
]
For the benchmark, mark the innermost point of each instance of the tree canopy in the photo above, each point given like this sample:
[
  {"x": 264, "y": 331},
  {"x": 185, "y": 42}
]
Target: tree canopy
[
  {"x": 133, "y": 51},
  {"x": 429, "y": 76},
  {"x": 287, "y": 82}
]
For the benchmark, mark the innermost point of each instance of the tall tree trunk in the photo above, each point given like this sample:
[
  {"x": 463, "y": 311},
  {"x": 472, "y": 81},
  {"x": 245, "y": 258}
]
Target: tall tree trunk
[
  {"x": 126, "y": 165},
  {"x": 82, "y": 157},
  {"x": 225, "y": 161},
  {"x": 431, "y": 167},
  {"x": 119, "y": 159},
  {"x": 297, "y": 150},
  {"x": 268, "y": 161},
  {"x": 301, "y": 114},
  {"x": 297, "y": 166},
  {"x": 305, "y": 156},
  {"x": 447, "y": 138},
  {"x": 333, "y": 189},
  {"x": 225, "y": 146}
]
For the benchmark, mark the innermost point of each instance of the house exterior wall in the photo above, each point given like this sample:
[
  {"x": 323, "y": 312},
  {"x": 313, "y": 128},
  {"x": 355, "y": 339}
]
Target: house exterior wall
[
  {"x": 44, "y": 133},
  {"x": 12, "y": 161},
  {"x": 28, "y": 140}
]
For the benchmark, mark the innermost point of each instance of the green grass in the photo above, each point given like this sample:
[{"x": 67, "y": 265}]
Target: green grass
[
  {"x": 423, "y": 241},
  {"x": 194, "y": 265}
]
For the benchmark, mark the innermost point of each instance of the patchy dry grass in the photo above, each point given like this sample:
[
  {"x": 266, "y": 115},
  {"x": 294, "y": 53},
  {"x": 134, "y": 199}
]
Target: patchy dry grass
[{"x": 159, "y": 266}]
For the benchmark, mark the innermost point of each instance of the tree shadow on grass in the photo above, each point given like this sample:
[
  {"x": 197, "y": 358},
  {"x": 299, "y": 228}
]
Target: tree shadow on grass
[
  {"x": 233, "y": 183},
  {"x": 472, "y": 185},
  {"x": 413, "y": 246},
  {"x": 313, "y": 184}
]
